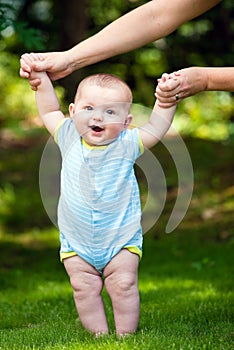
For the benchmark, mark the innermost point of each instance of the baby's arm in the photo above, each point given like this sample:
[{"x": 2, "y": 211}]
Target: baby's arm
[
  {"x": 160, "y": 119},
  {"x": 47, "y": 101}
]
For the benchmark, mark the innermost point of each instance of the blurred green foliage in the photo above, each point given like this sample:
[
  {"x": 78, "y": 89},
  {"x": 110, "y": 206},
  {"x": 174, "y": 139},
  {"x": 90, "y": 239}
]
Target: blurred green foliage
[
  {"x": 41, "y": 25},
  {"x": 207, "y": 116},
  {"x": 17, "y": 101},
  {"x": 10, "y": 25}
]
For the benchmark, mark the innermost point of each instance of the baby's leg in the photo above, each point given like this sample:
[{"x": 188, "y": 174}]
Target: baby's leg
[
  {"x": 87, "y": 285},
  {"x": 121, "y": 281}
]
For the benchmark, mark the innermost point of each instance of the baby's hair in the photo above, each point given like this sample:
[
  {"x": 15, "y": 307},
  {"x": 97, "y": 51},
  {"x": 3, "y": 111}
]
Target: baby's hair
[{"x": 105, "y": 80}]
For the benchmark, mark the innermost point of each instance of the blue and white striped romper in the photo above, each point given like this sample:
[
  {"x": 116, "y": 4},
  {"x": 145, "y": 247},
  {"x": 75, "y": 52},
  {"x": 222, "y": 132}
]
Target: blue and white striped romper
[{"x": 99, "y": 210}]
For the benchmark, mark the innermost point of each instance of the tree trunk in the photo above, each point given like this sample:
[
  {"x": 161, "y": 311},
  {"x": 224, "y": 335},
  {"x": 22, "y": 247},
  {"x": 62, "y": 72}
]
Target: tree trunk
[{"x": 74, "y": 28}]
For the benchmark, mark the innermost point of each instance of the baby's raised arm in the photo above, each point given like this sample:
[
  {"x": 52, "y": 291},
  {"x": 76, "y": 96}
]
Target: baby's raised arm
[
  {"x": 160, "y": 119},
  {"x": 46, "y": 99}
]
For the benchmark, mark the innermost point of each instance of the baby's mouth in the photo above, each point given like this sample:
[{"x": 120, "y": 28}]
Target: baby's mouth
[{"x": 96, "y": 128}]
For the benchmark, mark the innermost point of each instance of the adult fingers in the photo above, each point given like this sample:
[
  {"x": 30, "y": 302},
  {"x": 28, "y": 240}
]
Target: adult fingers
[
  {"x": 168, "y": 99},
  {"x": 25, "y": 65},
  {"x": 165, "y": 104},
  {"x": 34, "y": 83},
  {"x": 24, "y": 73},
  {"x": 168, "y": 87}
]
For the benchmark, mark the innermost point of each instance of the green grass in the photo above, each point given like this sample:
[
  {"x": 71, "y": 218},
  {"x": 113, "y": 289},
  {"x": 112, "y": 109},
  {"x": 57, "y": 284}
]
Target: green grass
[{"x": 185, "y": 283}]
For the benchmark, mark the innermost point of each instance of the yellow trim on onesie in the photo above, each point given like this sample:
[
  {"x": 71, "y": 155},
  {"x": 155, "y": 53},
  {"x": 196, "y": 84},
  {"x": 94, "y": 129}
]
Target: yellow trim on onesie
[
  {"x": 92, "y": 147},
  {"x": 135, "y": 250},
  {"x": 105, "y": 146},
  {"x": 132, "y": 249},
  {"x": 65, "y": 255}
]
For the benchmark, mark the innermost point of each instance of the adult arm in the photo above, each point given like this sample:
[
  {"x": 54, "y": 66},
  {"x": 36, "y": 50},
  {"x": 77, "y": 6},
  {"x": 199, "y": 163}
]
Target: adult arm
[
  {"x": 145, "y": 24},
  {"x": 190, "y": 81}
]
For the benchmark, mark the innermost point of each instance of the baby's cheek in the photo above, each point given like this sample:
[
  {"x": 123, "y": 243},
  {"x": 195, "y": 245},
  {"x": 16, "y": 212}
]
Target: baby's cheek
[{"x": 115, "y": 129}]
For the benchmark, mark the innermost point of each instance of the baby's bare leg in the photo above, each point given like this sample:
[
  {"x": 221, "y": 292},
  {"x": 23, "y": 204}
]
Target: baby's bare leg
[
  {"x": 87, "y": 285},
  {"x": 121, "y": 281}
]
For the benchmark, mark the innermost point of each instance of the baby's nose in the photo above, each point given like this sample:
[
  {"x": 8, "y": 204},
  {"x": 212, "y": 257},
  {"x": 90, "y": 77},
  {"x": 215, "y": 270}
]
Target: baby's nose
[{"x": 98, "y": 116}]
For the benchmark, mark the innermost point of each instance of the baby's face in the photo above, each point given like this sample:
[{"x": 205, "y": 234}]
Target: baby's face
[{"x": 100, "y": 114}]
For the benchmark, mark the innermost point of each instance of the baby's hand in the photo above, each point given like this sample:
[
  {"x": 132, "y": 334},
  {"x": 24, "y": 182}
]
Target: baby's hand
[
  {"x": 34, "y": 77},
  {"x": 167, "y": 90}
]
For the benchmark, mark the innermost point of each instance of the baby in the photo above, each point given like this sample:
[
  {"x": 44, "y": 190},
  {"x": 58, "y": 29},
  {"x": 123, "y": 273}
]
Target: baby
[{"x": 99, "y": 211}]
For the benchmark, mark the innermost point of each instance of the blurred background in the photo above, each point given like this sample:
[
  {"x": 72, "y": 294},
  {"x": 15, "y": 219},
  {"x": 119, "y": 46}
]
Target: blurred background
[{"x": 205, "y": 121}]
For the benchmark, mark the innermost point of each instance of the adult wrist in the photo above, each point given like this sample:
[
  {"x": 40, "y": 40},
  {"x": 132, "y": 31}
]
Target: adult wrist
[
  {"x": 205, "y": 79},
  {"x": 73, "y": 57}
]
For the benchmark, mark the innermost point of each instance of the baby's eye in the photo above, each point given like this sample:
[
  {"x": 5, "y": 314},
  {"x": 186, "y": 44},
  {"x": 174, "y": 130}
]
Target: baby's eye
[
  {"x": 88, "y": 108},
  {"x": 110, "y": 111}
]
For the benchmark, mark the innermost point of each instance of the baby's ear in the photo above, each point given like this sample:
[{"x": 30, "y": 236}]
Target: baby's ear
[
  {"x": 71, "y": 109},
  {"x": 128, "y": 121}
]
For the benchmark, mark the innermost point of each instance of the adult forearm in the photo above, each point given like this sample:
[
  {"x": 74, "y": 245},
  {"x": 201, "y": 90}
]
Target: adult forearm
[
  {"x": 220, "y": 78},
  {"x": 143, "y": 25}
]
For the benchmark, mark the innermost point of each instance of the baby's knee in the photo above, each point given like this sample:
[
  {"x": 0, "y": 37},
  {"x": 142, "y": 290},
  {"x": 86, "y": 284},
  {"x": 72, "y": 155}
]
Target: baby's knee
[
  {"x": 122, "y": 284},
  {"x": 85, "y": 284}
]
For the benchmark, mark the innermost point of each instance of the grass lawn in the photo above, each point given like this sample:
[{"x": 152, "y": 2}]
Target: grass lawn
[
  {"x": 185, "y": 282},
  {"x": 185, "y": 278}
]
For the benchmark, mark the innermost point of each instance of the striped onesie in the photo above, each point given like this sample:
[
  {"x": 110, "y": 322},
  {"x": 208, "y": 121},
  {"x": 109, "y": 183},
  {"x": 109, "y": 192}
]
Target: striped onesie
[{"x": 99, "y": 211}]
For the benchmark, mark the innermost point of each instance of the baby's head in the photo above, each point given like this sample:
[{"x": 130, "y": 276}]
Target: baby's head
[
  {"x": 107, "y": 81},
  {"x": 101, "y": 108}
]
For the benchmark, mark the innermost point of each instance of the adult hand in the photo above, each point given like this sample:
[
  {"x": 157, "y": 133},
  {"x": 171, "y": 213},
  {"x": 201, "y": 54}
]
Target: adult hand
[
  {"x": 187, "y": 82},
  {"x": 56, "y": 64},
  {"x": 166, "y": 89}
]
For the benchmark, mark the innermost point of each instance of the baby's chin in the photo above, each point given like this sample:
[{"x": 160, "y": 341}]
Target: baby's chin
[{"x": 97, "y": 143}]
